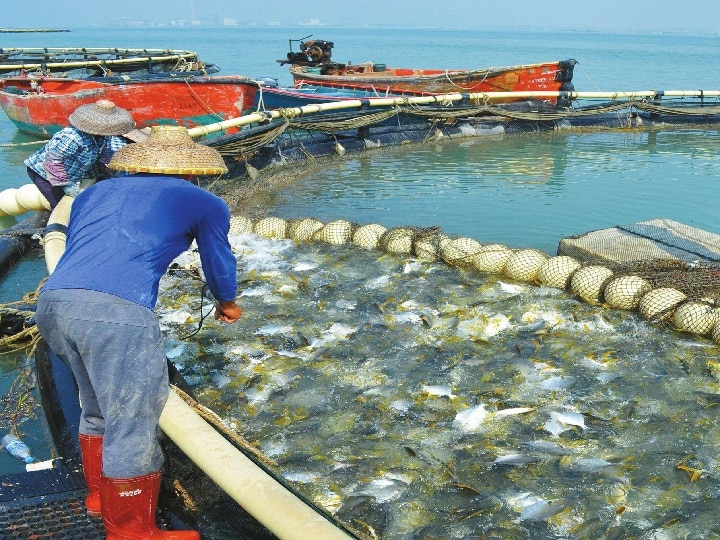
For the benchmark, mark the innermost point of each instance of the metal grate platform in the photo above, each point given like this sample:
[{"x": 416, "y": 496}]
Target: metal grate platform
[
  {"x": 59, "y": 516},
  {"x": 47, "y": 504}
]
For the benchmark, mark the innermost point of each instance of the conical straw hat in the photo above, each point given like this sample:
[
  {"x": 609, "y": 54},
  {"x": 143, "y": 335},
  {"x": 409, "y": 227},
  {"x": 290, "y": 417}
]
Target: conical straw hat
[
  {"x": 138, "y": 135},
  {"x": 102, "y": 118},
  {"x": 168, "y": 150}
]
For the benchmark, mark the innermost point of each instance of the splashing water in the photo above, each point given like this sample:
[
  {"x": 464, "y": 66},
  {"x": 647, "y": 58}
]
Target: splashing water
[{"x": 420, "y": 400}]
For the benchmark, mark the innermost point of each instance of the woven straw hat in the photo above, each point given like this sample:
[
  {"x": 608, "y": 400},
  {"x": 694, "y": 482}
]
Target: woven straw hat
[
  {"x": 102, "y": 118},
  {"x": 138, "y": 135},
  {"x": 168, "y": 150}
]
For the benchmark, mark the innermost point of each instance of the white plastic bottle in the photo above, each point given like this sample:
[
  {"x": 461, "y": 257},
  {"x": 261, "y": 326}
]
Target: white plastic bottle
[{"x": 17, "y": 448}]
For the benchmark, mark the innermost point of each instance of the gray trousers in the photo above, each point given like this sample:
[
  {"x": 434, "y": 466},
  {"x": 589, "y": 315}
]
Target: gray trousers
[{"x": 115, "y": 350}]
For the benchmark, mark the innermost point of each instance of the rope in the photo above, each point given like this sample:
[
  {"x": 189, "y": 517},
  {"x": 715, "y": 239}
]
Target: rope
[
  {"x": 344, "y": 121},
  {"x": 26, "y": 336},
  {"x": 218, "y": 424},
  {"x": 487, "y": 72},
  {"x": 201, "y": 102},
  {"x": 249, "y": 140},
  {"x": 685, "y": 111},
  {"x": 588, "y": 78},
  {"x": 19, "y": 400}
]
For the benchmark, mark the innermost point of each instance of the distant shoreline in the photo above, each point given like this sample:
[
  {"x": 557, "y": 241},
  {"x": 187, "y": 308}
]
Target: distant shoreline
[{"x": 23, "y": 30}]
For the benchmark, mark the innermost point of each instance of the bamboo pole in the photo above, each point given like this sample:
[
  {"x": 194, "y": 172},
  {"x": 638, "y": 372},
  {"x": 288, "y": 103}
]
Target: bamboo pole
[
  {"x": 488, "y": 97},
  {"x": 177, "y": 55}
]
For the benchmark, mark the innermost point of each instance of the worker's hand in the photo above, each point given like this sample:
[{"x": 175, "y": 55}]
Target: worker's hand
[{"x": 228, "y": 312}]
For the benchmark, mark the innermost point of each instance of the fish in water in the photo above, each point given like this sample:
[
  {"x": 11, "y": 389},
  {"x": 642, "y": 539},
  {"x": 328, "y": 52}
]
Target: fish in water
[
  {"x": 569, "y": 418},
  {"x": 438, "y": 390},
  {"x": 471, "y": 418},
  {"x": 585, "y": 465},
  {"x": 548, "y": 447},
  {"x": 514, "y": 459},
  {"x": 561, "y": 421},
  {"x": 534, "y": 508},
  {"x": 364, "y": 381}
]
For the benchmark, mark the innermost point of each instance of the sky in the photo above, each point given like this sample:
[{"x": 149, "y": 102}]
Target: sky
[{"x": 697, "y": 16}]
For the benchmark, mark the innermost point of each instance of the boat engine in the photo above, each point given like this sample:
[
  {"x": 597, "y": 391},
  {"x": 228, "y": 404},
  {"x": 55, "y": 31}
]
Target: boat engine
[{"x": 316, "y": 51}]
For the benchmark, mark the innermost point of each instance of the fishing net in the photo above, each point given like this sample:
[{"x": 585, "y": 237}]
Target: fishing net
[
  {"x": 290, "y": 136},
  {"x": 666, "y": 271}
]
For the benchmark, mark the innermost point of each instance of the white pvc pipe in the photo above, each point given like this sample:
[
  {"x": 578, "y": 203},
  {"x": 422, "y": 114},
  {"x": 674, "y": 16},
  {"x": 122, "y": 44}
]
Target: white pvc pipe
[
  {"x": 283, "y": 513},
  {"x": 54, "y": 241}
]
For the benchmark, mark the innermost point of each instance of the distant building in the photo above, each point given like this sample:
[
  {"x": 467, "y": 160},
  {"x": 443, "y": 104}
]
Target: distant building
[
  {"x": 312, "y": 22},
  {"x": 229, "y": 22}
]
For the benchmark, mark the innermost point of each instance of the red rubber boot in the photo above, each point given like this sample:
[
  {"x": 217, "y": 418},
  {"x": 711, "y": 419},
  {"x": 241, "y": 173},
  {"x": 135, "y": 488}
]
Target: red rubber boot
[
  {"x": 129, "y": 506},
  {"x": 91, "y": 452}
]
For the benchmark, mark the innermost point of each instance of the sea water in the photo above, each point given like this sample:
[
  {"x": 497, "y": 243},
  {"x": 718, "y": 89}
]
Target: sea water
[
  {"x": 486, "y": 189},
  {"x": 525, "y": 191}
]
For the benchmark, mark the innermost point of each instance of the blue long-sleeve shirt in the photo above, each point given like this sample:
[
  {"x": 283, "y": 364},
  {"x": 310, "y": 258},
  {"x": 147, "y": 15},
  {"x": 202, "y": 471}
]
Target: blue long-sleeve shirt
[{"x": 124, "y": 232}]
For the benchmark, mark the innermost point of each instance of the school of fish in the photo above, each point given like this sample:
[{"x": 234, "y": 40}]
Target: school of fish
[{"x": 418, "y": 400}]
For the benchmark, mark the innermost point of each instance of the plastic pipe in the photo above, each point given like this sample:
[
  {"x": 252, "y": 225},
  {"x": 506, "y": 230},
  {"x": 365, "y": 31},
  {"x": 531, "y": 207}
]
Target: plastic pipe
[
  {"x": 54, "y": 241},
  {"x": 284, "y": 514}
]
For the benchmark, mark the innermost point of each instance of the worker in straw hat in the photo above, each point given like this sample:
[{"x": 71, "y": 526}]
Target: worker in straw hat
[
  {"x": 81, "y": 150},
  {"x": 96, "y": 312}
]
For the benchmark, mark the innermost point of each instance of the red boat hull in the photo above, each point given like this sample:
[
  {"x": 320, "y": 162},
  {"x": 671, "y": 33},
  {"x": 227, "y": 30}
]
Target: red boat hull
[
  {"x": 552, "y": 76},
  {"x": 189, "y": 102}
]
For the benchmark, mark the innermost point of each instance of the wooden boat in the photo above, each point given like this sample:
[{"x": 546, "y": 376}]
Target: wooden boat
[
  {"x": 41, "y": 105},
  {"x": 313, "y": 65},
  {"x": 271, "y": 96},
  {"x": 100, "y": 62}
]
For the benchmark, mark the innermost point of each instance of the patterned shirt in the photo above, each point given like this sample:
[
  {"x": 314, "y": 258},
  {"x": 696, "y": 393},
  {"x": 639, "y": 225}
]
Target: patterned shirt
[{"x": 71, "y": 155}]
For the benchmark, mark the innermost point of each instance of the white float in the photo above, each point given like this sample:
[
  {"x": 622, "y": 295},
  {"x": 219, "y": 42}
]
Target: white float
[
  {"x": 587, "y": 282},
  {"x": 695, "y": 317},
  {"x": 368, "y": 236},
  {"x": 271, "y": 227},
  {"x": 336, "y": 232},
  {"x": 524, "y": 265},
  {"x": 491, "y": 258},
  {"x": 556, "y": 271},
  {"x": 659, "y": 302},
  {"x": 625, "y": 292},
  {"x": 303, "y": 230},
  {"x": 460, "y": 251},
  {"x": 399, "y": 241},
  {"x": 240, "y": 225}
]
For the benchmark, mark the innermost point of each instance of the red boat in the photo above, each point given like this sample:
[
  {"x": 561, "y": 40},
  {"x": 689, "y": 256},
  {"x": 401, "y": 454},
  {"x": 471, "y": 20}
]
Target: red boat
[
  {"x": 313, "y": 65},
  {"x": 41, "y": 105}
]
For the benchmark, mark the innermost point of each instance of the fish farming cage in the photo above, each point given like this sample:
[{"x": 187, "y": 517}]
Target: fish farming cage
[
  {"x": 674, "y": 287},
  {"x": 680, "y": 293}
]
